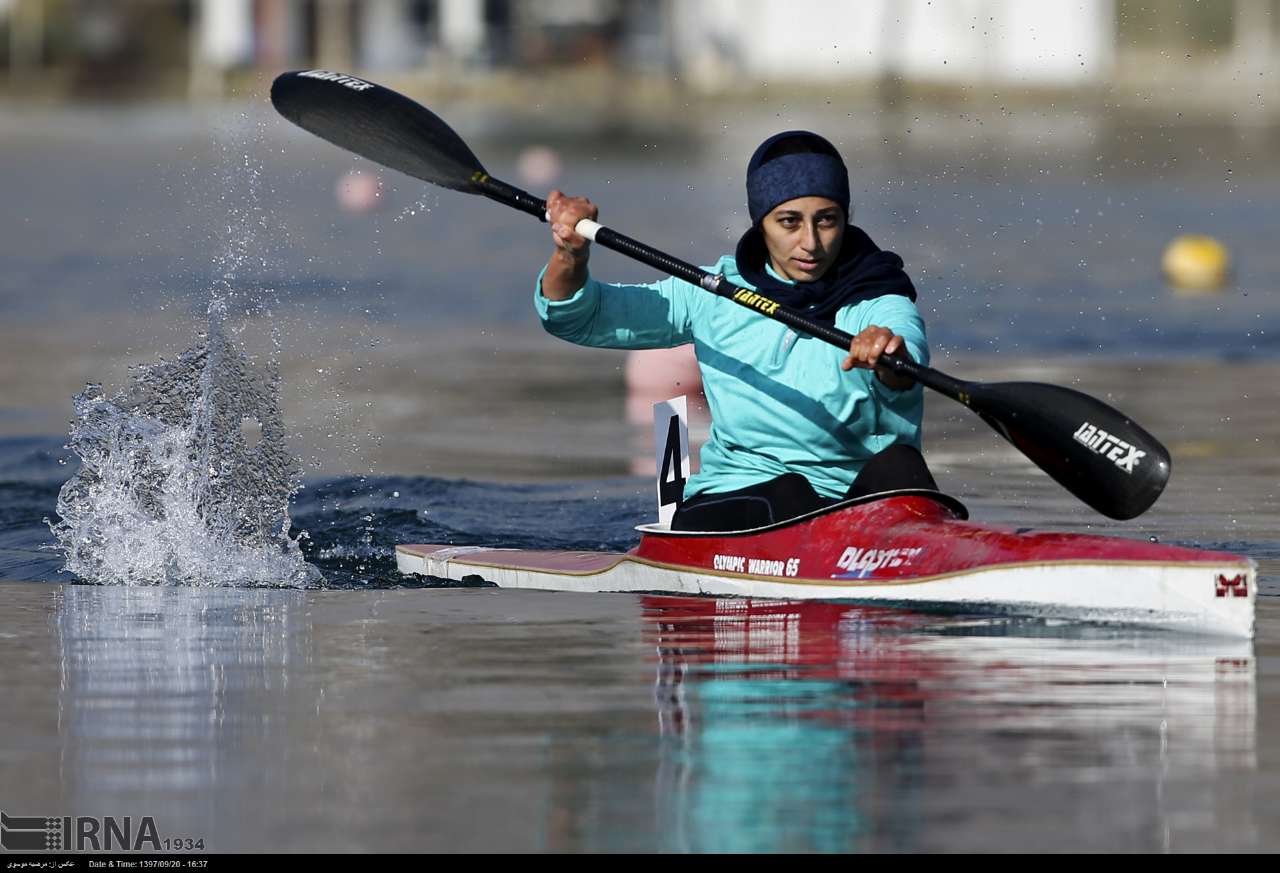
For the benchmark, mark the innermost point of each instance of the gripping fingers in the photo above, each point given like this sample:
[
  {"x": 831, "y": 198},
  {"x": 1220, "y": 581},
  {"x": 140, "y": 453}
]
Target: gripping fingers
[
  {"x": 868, "y": 346},
  {"x": 567, "y": 215},
  {"x": 568, "y": 240}
]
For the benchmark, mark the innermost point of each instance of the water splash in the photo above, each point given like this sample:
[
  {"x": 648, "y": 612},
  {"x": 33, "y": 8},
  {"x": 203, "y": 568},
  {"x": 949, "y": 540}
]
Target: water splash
[
  {"x": 423, "y": 204},
  {"x": 173, "y": 486}
]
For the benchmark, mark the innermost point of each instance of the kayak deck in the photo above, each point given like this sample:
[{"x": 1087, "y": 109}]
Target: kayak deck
[
  {"x": 901, "y": 550},
  {"x": 567, "y": 563}
]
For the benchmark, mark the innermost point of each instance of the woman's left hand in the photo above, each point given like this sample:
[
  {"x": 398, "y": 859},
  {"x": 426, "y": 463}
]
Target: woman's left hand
[{"x": 868, "y": 346}]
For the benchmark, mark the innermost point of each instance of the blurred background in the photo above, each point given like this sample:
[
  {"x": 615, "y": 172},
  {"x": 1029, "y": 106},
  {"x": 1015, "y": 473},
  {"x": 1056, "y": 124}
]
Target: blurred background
[
  {"x": 1080, "y": 190},
  {"x": 1161, "y": 55}
]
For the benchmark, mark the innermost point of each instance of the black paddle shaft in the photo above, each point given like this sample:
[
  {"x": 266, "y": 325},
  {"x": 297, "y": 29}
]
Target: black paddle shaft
[
  {"x": 502, "y": 192},
  {"x": 1097, "y": 453},
  {"x": 1093, "y": 450}
]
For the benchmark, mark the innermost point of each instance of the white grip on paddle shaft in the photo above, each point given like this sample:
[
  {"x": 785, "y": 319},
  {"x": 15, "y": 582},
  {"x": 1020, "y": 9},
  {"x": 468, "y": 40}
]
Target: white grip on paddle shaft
[{"x": 586, "y": 227}]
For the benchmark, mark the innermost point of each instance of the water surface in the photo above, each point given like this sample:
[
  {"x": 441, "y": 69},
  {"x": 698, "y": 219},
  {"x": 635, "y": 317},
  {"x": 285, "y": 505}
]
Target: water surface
[
  {"x": 377, "y": 713},
  {"x": 491, "y": 720}
]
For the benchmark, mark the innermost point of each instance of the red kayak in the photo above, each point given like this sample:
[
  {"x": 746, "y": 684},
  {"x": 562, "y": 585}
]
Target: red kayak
[{"x": 909, "y": 548}]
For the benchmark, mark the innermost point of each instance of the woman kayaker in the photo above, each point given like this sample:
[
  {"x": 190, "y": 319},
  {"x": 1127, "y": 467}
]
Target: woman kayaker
[{"x": 792, "y": 427}]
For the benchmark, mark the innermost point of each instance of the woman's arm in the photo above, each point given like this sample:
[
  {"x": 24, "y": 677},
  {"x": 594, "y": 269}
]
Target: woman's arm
[
  {"x": 576, "y": 307},
  {"x": 567, "y": 268}
]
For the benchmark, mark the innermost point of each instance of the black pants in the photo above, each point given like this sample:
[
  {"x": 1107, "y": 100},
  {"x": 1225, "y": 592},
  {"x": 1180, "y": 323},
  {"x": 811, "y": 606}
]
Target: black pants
[{"x": 789, "y": 495}]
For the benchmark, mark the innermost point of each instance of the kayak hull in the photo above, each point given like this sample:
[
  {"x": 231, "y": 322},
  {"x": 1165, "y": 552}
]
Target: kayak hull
[{"x": 910, "y": 549}]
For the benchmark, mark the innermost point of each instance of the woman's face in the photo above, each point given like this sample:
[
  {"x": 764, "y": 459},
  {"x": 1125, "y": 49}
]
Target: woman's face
[{"x": 803, "y": 237}]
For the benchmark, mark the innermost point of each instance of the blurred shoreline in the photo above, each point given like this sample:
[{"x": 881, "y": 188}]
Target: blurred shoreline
[
  {"x": 1168, "y": 61},
  {"x": 599, "y": 98}
]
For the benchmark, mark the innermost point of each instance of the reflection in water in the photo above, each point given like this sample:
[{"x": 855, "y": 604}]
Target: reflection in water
[
  {"x": 825, "y": 727},
  {"x": 168, "y": 692},
  {"x": 269, "y": 719}
]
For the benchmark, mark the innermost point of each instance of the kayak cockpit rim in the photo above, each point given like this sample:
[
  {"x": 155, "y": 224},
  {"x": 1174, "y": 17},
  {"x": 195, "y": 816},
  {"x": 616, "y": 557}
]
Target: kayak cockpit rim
[{"x": 951, "y": 504}]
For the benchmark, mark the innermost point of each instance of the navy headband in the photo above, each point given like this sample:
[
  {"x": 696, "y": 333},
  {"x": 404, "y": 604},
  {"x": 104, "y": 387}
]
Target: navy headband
[{"x": 816, "y": 173}]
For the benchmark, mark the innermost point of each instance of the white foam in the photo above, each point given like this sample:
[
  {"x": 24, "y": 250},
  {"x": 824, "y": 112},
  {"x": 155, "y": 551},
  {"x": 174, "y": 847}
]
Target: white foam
[{"x": 169, "y": 490}]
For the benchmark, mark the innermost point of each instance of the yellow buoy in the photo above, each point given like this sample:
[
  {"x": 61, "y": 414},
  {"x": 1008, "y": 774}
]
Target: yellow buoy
[{"x": 1195, "y": 263}]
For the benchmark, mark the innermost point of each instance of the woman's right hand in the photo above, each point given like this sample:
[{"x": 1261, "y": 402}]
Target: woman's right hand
[{"x": 564, "y": 213}]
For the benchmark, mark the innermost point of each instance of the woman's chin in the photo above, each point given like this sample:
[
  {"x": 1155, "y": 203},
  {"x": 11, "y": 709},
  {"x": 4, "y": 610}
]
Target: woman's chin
[{"x": 807, "y": 274}]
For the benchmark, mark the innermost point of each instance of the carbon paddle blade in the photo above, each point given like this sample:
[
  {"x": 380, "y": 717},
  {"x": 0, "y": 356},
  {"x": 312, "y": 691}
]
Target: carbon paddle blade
[
  {"x": 1095, "y": 452},
  {"x": 378, "y": 124}
]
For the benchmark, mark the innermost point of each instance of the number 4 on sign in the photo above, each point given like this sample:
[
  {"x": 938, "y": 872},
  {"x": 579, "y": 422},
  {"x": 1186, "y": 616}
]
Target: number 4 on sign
[{"x": 671, "y": 440}]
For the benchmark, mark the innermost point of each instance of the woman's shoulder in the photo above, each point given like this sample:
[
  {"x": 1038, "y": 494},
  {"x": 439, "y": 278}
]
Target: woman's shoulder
[
  {"x": 726, "y": 262},
  {"x": 726, "y": 266},
  {"x": 897, "y": 307}
]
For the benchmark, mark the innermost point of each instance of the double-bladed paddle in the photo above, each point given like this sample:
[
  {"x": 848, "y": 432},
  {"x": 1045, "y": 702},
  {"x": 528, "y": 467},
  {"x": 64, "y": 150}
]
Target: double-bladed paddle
[{"x": 1097, "y": 453}]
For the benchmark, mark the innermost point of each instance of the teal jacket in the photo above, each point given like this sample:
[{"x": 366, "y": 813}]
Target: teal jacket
[{"x": 779, "y": 401}]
